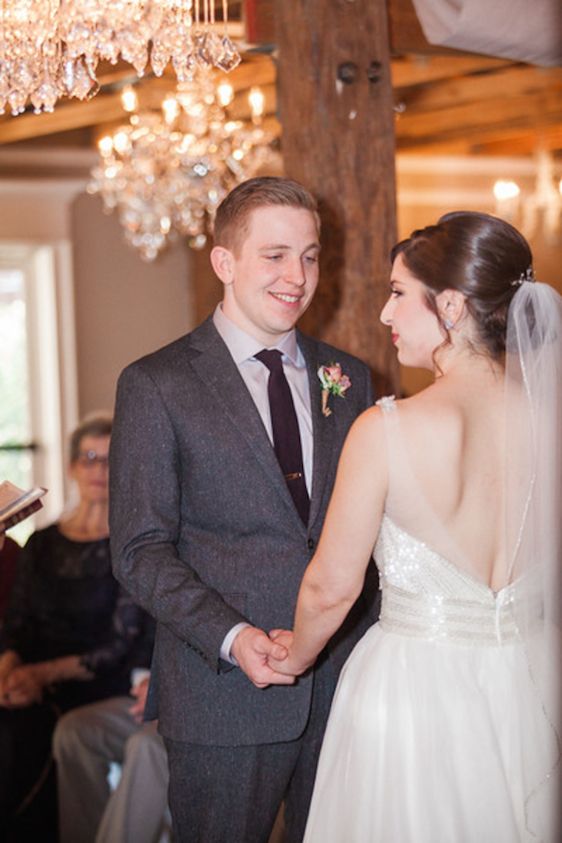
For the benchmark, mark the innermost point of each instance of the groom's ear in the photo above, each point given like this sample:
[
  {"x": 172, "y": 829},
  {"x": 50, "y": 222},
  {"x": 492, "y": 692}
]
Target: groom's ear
[{"x": 222, "y": 261}]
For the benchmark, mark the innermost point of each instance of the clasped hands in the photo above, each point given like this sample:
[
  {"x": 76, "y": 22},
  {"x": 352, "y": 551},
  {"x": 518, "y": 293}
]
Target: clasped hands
[
  {"x": 21, "y": 687},
  {"x": 266, "y": 659}
]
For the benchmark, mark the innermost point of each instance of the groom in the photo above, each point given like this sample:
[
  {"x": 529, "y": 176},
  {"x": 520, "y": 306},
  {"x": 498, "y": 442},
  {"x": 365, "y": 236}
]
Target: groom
[{"x": 222, "y": 465}]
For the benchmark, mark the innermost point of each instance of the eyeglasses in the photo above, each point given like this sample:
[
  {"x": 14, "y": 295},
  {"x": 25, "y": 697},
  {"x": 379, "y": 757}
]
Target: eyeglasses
[{"x": 89, "y": 458}]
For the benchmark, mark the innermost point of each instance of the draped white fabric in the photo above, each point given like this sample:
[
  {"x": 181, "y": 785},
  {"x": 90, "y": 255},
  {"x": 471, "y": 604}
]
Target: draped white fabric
[{"x": 523, "y": 30}]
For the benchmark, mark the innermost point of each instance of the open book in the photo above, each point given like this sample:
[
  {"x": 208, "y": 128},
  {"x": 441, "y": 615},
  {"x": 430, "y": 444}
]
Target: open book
[{"x": 16, "y": 504}]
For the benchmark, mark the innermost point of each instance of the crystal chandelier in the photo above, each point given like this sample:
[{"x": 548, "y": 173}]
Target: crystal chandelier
[
  {"x": 51, "y": 48},
  {"x": 166, "y": 173}
]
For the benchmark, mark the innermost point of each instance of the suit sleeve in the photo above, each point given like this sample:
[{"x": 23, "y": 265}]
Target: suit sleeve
[
  {"x": 145, "y": 521},
  {"x": 370, "y": 395}
]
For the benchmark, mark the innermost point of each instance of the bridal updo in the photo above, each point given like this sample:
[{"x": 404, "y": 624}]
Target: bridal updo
[{"x": 481, "y": 256}]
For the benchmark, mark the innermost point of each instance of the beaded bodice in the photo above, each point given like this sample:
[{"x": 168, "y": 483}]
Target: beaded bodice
[{"x": 426, "y": 596}]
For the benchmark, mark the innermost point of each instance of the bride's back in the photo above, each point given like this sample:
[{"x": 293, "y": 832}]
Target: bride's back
[
  {"x": 451, "y": 289},
  {"x": 447, "y": 472}
]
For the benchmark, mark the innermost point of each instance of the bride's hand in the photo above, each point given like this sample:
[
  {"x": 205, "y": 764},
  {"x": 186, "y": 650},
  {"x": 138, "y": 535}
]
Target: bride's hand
[
  {"x": 286, "y": 666},
  {"x": 282, "y": 636}
]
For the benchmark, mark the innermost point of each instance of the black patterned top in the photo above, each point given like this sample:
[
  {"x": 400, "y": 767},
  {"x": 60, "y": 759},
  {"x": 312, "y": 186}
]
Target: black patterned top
[{"x": 66, "y": 601}]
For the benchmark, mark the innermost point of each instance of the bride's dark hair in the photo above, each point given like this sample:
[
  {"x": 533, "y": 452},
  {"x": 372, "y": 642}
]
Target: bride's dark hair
[{"x": 479, "y": 255}]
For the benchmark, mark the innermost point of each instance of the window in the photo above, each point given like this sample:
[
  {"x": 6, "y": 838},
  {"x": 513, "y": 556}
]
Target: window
[{"x": 37, "y": 372}]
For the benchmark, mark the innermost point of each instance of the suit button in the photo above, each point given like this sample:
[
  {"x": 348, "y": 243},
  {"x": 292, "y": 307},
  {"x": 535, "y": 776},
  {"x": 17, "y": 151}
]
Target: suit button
[{"x": 310, "y": 544}]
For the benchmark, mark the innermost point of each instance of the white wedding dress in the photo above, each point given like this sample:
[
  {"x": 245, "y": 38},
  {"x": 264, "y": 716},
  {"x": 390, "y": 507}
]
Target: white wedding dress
[{"x": 437, "y": 732}]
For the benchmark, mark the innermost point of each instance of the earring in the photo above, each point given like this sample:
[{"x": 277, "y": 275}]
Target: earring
[{"x": 448, "y": 325}]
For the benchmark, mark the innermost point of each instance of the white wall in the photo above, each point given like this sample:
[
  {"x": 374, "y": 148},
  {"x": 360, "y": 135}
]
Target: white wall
[
  {"x": 106, "y": 306},
  {"x": 124, "y": 307}
]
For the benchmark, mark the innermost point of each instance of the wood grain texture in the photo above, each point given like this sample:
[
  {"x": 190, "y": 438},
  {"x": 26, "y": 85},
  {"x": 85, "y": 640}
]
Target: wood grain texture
[{"x": 338, "y": 140}]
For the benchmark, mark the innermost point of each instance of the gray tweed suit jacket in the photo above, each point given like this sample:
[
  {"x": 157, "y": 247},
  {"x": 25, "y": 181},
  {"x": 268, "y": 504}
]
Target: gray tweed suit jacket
[{"x": 204, "y": 532}]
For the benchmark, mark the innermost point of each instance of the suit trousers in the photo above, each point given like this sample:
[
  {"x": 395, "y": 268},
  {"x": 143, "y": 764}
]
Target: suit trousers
[
  {"x": 86, "y": 741},
  {"x": 232, "y": 794}
]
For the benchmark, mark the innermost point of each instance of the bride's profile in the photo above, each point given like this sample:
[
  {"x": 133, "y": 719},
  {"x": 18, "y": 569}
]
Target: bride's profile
[{"x": 445, "y": 725}]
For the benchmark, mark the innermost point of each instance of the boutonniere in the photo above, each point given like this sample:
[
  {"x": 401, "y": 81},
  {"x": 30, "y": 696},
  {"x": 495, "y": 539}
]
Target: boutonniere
[{"x": 334, "y": 382}]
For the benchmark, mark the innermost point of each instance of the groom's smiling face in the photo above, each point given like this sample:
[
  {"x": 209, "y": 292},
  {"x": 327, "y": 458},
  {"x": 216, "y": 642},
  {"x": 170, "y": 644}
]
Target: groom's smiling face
[{"x": 271, "y": 275}]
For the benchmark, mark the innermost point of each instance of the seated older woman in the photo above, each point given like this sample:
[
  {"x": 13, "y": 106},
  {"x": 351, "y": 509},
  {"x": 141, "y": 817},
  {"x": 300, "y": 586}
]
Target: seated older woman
[{"x": 69, "y": 638}]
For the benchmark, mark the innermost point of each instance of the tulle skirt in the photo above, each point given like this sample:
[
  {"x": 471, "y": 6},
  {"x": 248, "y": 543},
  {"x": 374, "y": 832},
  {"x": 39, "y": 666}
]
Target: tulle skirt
[{"x": 432, "y": 742}]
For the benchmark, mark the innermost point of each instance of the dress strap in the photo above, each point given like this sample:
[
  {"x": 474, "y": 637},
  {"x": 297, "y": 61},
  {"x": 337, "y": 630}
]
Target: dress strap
[
  {"x": 387, "y": 403},
  {"x": 399, "y": 479}
]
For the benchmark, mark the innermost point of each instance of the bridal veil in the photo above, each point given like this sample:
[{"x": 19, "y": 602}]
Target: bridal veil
[{"x": 533, "y": 519}]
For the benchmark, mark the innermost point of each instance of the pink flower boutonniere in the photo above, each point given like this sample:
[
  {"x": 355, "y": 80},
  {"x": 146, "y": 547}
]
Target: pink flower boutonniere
[{"x": 334, "y": 382}]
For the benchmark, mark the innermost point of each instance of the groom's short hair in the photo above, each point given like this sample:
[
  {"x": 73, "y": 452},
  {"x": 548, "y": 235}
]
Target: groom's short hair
[{"x": 231, "y": 221}]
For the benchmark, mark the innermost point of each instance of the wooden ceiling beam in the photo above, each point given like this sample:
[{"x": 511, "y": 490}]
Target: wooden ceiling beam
[
  {"x": 499, "y": 84},
  {"x": 476, "y": 122},
  {"x": 101, "y": 109},
  {"x": 421, "y": 70},
  {"x": 523, "y": 143}
]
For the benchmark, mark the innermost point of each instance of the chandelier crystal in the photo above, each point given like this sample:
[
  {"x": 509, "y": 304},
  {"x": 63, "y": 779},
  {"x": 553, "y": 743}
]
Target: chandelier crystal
[
  {"x": 166, "y": 173},
  {"x": 51, "y": 48}
]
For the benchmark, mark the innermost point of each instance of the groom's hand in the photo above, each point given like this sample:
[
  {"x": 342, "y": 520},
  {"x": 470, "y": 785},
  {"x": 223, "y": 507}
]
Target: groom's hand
[{"x": 252, "y": 648}]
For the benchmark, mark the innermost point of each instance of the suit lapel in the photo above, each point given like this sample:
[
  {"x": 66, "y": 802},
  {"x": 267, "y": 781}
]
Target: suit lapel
[
  {"x": 324, "y": 428},
  {"x": 219, "y": 373}
]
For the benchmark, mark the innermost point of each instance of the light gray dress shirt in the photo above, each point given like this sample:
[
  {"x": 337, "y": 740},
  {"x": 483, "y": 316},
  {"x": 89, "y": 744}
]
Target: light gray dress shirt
[{"x": 243, "y": 347}]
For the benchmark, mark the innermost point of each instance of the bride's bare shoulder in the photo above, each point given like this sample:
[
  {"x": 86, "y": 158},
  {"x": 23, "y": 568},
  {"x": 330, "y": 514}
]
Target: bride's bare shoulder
[
  {"x": 433, "y": 406},
  {"x": 372, "y": 421},
  {"x": 369, "y": 419},
  {"x": 368, "y": 427}
]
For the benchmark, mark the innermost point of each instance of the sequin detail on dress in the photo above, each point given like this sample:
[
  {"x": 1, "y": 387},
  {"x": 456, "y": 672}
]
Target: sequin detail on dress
[{"x": 426, "y": 596}]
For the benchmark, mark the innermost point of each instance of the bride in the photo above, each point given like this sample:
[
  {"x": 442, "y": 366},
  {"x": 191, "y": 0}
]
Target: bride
[{"x": 445, "y": 724}]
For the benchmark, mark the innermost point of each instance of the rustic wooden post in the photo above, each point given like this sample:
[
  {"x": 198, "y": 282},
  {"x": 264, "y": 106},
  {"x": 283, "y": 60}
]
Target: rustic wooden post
[{"x": 335, "y": 108}]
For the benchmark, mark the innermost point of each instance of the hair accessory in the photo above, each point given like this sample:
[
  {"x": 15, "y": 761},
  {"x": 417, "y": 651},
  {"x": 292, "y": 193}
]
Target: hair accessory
[{"x": 528, "y": 275}]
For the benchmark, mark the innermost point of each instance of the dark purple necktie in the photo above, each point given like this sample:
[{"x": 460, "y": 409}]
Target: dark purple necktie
[{"x": 286, "y": 437}]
